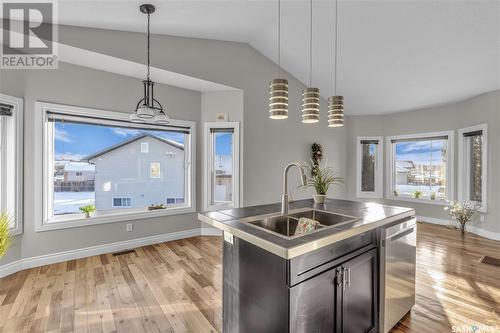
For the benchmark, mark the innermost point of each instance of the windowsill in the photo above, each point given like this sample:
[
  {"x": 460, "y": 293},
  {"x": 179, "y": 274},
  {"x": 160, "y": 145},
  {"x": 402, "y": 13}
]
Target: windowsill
[
  {"x": 369, "y": 195},
  {"x": 419, "y": 201},
  {"x": 79, "y": 220}
]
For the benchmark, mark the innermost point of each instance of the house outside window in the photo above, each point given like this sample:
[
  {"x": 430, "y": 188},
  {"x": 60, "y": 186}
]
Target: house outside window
[
  {"x": 369, "y": 167},
  {"x": 421, "y": 167},
  {"x": 11, "y": 160},
  {"x": 473, "y": 164},
  {"x": 101, "y": 162}
]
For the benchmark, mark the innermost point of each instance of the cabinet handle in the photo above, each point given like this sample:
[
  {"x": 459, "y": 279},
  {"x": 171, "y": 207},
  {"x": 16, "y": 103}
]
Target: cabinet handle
[
  {"x": 340, "y": 278},
  {"x": 347, "y": 277}
]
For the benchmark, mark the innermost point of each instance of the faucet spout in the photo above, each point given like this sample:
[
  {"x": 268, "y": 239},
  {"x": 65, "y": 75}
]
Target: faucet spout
[{"x": 284, "y": 197}]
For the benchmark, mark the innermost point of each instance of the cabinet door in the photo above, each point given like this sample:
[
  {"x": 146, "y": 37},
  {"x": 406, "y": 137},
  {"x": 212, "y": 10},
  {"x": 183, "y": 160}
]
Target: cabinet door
[
  {"x": 312, "y": 304},
  {"x": 359, "y": 294}
]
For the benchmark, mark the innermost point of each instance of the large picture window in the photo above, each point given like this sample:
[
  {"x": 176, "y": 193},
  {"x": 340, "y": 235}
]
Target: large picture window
[
  {"x": 421, "y": 167},
  {"x": 11, "y": 159},
  {"x": 125, "y": 170},
  {"x": 472, "y": 164},
  {"x": 369, "y": 167},
  {"x": 222, "y": 165}
]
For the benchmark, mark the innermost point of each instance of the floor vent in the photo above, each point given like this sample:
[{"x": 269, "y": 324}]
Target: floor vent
[
  {"x": 123, "y": 253},
  {"x": 491, "y": 261}
]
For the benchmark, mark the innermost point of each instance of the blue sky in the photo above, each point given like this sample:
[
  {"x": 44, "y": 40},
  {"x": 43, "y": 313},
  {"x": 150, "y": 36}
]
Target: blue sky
[
  {"x": 75, "y": 141},
  {"x": 223, "y": 144},
  {"x": 420, "y": 151}
]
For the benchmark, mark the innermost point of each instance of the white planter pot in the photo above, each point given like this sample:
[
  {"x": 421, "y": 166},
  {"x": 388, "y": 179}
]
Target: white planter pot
[{"x": 319, "y": 198}]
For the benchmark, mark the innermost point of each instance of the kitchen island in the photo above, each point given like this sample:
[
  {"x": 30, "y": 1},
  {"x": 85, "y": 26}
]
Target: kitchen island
[{"x": 322, "y": 280}]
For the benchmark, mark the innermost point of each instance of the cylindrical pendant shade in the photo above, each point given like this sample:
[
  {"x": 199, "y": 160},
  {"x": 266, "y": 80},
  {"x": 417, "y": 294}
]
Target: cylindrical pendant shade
[
  {"x": 335, "y": 111},
  {"x": 310, "y": 105},
  {"x": 278, "y": 99}
]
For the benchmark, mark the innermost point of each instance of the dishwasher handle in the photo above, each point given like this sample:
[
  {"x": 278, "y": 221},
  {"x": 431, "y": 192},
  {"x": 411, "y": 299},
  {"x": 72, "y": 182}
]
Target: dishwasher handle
[{"x": 402, "y": 233}]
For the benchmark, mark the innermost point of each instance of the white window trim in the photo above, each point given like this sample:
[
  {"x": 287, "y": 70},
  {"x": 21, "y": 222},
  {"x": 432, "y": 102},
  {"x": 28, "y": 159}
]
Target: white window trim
[
  {"x": 236, "y": 166},
  {"x": 450, "y": 168},
  {"x": 15, "y": 207},
  {"x": 379, "y": 168},
  {"x": 461, "y": 164},
  {"x": 78, "y": 220}
]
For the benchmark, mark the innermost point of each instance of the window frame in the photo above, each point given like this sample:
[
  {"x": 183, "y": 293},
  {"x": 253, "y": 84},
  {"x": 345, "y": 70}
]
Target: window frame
[
  {"x": 450, "y": 167},
  {"x": 45, "y": 223},
  {"x": 379, "y": 168},
  {"x": 464, "y": 157},
  {"x": 14, "y": 142},
  {"x": 207, "y": 152},
  {"x": 121, "y": 201}
]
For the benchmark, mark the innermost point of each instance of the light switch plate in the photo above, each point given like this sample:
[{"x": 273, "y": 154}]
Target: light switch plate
[{"x": 228, "y": 237}]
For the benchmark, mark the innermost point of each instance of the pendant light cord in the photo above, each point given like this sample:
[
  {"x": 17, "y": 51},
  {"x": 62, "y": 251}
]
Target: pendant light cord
[
  {"x": 148, "y": 47},
  {"x": 279, "y": 38},
  {"x": 336, "y": 48},
  {"x": 310, "y": 44}
]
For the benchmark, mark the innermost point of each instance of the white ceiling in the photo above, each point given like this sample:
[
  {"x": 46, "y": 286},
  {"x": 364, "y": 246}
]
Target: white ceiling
[{"x": 395, "y": 55}]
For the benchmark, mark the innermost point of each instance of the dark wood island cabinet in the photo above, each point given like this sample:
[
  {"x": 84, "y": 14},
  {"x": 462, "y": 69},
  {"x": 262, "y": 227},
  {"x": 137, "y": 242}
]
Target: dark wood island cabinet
[{"x": 332, "y": 289}]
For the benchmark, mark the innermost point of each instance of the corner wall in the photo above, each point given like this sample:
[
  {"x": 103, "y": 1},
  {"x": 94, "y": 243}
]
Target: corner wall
[{"x": 478, "y": 110}]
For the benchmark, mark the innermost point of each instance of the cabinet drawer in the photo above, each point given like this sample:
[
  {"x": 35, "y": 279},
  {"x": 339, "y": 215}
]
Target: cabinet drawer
[{"x": 305, "y": 266}]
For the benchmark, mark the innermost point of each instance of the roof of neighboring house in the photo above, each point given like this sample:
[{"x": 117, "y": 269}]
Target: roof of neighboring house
[
  {"x": 128, "y": 141},
  {"x": 404, "y": 166},
  {"x": 79, "y": 166}
]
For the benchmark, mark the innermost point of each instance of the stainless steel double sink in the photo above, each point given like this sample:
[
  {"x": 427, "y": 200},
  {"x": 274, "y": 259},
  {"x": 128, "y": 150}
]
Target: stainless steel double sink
[{"x": 286, "y": 225}]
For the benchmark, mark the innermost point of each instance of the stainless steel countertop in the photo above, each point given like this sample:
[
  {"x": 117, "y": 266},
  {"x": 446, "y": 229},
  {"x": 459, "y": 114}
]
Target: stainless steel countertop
[{"x": 369, "y": 216}]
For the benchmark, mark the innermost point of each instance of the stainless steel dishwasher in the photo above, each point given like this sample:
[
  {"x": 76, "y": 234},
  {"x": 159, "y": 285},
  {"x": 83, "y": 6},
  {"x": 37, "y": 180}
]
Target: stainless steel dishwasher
[{"x": 397, "y": 272}]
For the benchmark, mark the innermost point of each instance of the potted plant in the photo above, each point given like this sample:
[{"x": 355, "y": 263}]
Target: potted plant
[
  {"x": 433, "y": 196},
  {"x": 88, "y": 210},
  {"x": 322, "y": 177},
  {"x": 395, "y": 193},
  {"x": 417, "y": 194},
  {"x": 5, "y": 236},
  {"x": 462, "y": 212}
]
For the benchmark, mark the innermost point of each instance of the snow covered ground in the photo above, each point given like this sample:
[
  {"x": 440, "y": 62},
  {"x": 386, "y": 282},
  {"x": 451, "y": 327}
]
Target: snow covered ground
[{"x": 70, "y": 202}]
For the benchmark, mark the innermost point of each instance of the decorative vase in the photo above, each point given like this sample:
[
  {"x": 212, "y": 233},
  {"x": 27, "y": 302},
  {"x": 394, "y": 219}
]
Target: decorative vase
[
  {"x": 88, "y": 214},
  {"x": 462, "y": 226},
  {"x": 319, "y": 198}
]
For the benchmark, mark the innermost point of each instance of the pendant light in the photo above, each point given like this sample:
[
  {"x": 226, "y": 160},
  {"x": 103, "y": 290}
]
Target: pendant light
[
  {"x": 278, "y": 88},
  {"x": 148, "y": 106},
  {"x": 336, "y": 102},
  {"x": 310, "y": 96}
]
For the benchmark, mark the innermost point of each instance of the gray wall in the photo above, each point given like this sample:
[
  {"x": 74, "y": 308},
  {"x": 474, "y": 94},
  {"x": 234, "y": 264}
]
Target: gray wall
[
  {"x": 73, "y": 85},
  {"x": 478, "y": 110},
  {"x": 267, "y": 145}
]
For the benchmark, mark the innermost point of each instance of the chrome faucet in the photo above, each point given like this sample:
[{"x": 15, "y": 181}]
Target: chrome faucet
[{"x": 284, "y": 197}]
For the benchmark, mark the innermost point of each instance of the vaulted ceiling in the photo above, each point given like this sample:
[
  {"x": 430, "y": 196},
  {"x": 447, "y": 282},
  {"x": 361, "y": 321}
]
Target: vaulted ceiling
[{"x": 397, "y": 55}]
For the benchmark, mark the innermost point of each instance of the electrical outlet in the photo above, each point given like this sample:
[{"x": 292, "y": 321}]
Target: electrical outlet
[
  {"x": 130, "y": 227},
  {"x": 228, "y": 237}
]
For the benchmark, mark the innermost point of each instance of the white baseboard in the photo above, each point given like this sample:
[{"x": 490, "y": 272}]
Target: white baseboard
[
  {"x": 471, "y": 228},
  {"x": 53, "y": 258}
]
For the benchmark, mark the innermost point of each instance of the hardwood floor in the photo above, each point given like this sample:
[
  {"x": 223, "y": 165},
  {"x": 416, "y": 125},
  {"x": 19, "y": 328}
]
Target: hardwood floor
[{"x": 176, "y": 287}]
